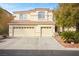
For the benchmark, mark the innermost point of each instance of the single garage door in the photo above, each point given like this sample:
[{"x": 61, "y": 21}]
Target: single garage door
[
  {"x": 46, "y": 31},
  {"x": 24, "y": 31}
]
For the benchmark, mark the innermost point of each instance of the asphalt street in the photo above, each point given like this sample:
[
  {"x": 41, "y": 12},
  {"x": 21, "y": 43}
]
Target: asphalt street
[{"x": 38, "y": 53}]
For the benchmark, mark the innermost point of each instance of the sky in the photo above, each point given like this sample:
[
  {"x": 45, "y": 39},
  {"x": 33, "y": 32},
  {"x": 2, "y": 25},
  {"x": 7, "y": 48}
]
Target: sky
[{"x": 11, "y": 7}]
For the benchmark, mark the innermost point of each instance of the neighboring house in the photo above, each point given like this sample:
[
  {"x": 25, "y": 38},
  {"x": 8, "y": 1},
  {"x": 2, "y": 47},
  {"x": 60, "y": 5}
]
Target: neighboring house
[
  {"x": 60, "y": 29},
  {"x": 38, "y": 22}
]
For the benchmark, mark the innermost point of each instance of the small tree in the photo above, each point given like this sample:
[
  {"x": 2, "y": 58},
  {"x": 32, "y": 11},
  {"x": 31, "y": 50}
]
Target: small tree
[
  {"x": 5, "y": 18},
  {"x": 67, "y": 15}
]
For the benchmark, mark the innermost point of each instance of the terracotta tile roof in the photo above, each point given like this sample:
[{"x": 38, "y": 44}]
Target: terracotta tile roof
[
  {"x": 31, "y": 22},
  {"x": 33, "y": 10}
]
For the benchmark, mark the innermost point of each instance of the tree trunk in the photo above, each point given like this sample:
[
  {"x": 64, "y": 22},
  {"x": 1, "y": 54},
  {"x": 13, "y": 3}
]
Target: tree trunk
[
  {"x": 77, "y": 27},
  {"x": 63, "y": 29}
]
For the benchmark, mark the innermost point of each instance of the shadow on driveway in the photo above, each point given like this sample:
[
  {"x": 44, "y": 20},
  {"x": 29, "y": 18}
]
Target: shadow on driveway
[{"x": 38, "y": 53}]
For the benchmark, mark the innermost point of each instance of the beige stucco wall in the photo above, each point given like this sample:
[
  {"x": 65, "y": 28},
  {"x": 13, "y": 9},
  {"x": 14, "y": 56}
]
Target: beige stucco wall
[
  {"x": 10, "y": 31},
  {"x": 34, "y": 16}
]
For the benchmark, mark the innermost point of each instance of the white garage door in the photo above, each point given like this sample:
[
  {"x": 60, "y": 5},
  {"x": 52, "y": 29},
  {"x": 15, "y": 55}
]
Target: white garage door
[
  {"x": 24, "y": 31},
  {"x": 46, "y": 31}
]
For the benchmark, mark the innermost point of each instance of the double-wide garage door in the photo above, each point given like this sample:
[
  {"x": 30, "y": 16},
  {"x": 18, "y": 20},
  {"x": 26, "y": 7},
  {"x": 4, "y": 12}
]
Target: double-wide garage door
[
  {"x": 24, "y": 31},
  {"x": 31, "y": 31}
]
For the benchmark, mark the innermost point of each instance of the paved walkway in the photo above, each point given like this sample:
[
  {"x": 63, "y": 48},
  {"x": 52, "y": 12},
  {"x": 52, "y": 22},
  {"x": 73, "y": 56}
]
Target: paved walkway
[{"x": 30, "y": 44}]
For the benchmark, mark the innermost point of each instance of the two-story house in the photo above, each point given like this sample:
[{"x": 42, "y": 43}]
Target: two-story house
[{"x": 38, "y": 22}]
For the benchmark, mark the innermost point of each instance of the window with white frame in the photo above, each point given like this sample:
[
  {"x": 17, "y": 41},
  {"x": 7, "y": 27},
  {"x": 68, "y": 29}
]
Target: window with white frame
[
  {"x": 23, "y": 16},
  {"x": 41, "y": 15}
]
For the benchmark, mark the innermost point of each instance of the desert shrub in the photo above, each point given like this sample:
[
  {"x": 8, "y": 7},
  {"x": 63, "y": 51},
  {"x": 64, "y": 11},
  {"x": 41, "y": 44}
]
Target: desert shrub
[
  {"x": 68, "y": 36},
  {"x": 76, "y": 37}
]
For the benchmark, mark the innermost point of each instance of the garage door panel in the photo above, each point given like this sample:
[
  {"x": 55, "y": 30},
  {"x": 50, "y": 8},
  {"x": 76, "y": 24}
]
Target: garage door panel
[
  {"x": 46, "y": 31},
  {"x": 30, "y": 32}
]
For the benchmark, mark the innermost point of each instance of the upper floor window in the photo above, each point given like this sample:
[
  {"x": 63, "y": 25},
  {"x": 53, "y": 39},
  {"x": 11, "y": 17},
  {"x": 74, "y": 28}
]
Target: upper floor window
[
  {"x": 23, "y": 16},
  {"x": 41, "y": 15}
]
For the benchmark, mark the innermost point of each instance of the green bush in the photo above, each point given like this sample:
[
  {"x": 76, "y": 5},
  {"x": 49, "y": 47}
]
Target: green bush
[
  {"x": 76, "y": 37},
  {"x": 68, "y": 36},
  {"x": 59, "y": 33}
]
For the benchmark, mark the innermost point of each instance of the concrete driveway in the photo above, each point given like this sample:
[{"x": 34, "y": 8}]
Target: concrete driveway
[{"x": 46, "y": 43}]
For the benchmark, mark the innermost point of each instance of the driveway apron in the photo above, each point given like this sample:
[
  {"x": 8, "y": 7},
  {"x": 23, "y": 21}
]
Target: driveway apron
[{"x": 43, "y": 43}]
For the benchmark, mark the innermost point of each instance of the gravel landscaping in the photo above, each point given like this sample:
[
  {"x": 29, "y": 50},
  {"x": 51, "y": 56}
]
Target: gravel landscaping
[{"x": 66, "y": 45}]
